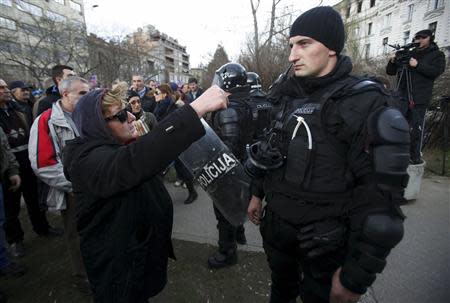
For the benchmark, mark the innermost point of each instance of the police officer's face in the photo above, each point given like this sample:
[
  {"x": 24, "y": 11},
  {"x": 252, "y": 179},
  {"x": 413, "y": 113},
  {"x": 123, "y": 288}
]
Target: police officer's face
[{"x": 310, "y": 57}]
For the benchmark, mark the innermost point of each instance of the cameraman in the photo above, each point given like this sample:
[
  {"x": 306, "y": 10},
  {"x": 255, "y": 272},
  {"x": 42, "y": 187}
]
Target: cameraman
[{"x": 427, "y": 62}]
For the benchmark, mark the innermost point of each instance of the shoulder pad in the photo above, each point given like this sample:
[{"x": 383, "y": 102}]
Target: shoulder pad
[{"x": 362, "y": 86}]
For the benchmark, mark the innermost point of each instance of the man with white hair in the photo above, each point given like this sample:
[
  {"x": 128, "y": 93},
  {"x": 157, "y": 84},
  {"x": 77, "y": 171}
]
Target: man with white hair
[{"x": 48, "y": 136}]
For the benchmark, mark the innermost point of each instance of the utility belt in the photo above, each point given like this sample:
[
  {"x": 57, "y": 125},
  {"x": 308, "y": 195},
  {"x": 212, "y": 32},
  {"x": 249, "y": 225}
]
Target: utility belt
[{"x": 312, "y": 198}]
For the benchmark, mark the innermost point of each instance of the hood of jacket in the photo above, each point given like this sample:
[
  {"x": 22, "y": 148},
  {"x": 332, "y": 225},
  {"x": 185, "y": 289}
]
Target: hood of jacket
[{"x": 89, "y": 119}]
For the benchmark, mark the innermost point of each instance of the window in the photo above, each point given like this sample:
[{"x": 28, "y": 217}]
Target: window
[
  {"x": 11, "y": 47},
  {"x": 410, "y": 11},
  {"x": 75, "y": 6},
  {"x": 432, "y": 27},
  {"x": 367, "y": 51},
  {"x": 60, "y": 1},
  {"x": 406, "y": 37},
  {"x": 387, "y": 20},
  {"x": 29, "y": 8},
  {"x": 7, "y": 23},
  {"x": 369, "y": 29},
  {"x": 56, "y": 17},
  {"x": 30, "y": 29},
  {"x": 372, "y": 3},
  {"x": 6, "y": 2},
  {"x": 359, "y": 6},
  {"x": 347, "y": 13},
  {"x": 385, "y": 45},
  {"x": 434, "y": 4}
]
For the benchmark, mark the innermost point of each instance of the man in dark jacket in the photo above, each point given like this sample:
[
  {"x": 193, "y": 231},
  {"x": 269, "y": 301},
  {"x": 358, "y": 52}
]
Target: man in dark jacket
[
  {"x": 124, "y": 211},
  {"x": 427, "y": 63},
  {"x": 59, "y": 73},
  {"x": 329, "y": 169},
  {"x": 17, "y": 128},
  {"x": 145, "y": 93},
  {"x": 194, "y": 90}
]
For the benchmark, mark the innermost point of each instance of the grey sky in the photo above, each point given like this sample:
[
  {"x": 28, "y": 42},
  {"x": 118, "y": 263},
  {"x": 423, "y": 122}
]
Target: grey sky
[{"x": 199, "y": 25}]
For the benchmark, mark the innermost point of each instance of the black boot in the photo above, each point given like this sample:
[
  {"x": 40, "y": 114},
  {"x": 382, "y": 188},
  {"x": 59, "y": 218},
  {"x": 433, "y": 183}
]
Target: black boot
[
  {"x": 221, "y": 259},
  {"x": 192, "y": 193}
]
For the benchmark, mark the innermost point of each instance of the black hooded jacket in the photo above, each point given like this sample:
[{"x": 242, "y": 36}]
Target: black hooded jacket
[
  {"x": 124, "y": 212},
  {"x": 431, "y": 64}
]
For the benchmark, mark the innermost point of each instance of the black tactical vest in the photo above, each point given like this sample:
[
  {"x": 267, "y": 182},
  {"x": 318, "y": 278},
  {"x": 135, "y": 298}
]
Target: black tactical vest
[
  {"x": 261, "y": 109},
  {"x": 316, "y": 166}
]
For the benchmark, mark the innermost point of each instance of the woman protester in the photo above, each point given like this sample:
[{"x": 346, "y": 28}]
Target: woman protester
[
  {"x": 125, "y": 213},
  {"x": 164, "y": 101},
  {"x": 145, "y": 121}
]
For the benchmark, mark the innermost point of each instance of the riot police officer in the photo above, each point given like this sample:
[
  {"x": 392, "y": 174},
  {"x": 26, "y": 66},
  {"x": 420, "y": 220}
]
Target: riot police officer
[
  {"x": 233, "y": 126},
  {"x": 260, "y": 104},
  {"x": 329, "y": 170}
]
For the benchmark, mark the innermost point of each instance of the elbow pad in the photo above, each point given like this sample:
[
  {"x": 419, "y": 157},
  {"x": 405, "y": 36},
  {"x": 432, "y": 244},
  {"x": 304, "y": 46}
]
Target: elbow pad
[
  {"x": 389, "y": 132},
  {"x": 227, "y": 122},
  {"x": 369, "y": 247}
]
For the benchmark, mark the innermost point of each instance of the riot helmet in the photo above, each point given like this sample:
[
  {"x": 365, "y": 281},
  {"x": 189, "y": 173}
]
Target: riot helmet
[
  {"x": 254, "y": 81},
  {"x": 229, "y": 76}
]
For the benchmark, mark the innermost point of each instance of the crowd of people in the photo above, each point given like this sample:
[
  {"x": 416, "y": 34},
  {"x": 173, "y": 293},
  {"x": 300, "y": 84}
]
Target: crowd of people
[
  {"x": 34, "y": 133},
  {"x": 97, "y": 156}
]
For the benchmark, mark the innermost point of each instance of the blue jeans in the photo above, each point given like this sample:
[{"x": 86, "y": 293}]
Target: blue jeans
[{"x": 4, "y": 261}]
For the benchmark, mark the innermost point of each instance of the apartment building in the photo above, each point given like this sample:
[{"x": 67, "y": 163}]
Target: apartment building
[
  {"x": 28, "y": 41},
  {"x": 374, "y": 24}
]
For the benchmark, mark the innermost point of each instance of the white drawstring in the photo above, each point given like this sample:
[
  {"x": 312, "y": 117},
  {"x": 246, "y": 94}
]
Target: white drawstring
[{"x": 300, "y": 121}]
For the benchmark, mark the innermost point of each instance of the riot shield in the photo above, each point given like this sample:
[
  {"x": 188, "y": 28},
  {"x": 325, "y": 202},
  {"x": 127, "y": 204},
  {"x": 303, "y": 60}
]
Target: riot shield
[{"x": 220, "y": 174}]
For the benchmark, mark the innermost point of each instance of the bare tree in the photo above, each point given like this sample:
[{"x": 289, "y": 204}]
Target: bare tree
[
  {"x": 266, "y": 51},
  {"x": 219, "y": 58},
  {"x": 41, "y": 43}
]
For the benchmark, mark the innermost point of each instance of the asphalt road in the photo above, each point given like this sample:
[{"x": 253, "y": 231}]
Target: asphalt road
[{"x": 418, "y": 268}]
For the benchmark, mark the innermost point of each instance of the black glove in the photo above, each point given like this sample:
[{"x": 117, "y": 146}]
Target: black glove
[{"x": 320, "y": 238}]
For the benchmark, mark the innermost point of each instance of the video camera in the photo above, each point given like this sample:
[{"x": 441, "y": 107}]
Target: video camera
[{"x": 403, "y": 53}]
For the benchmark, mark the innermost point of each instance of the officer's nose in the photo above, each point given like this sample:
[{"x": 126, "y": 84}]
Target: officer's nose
[{"x": 293, "y": 56}]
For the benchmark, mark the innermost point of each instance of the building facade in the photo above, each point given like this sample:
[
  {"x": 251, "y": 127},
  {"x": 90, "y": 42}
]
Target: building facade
[
  {"x": 170, "y": 57},
  {"x": 374, "y": 24},
  {"x": 167, "y": 60},
  {"x": 29, "y": 46}
]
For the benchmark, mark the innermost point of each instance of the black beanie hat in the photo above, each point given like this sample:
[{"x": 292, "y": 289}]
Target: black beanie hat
[
  {"x": 424, "y": 33},
  {"x": 323, "y": 24}
]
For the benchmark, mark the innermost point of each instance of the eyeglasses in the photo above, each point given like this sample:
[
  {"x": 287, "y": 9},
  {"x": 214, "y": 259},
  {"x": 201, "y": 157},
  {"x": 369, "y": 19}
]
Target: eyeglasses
[{"x": 121, "y": 115}]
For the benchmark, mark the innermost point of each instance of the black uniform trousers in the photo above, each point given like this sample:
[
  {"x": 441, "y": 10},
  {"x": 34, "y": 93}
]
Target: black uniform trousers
[
  {"x": 28, "y": 188},
  {"x": 416, "y": 120},
  {"x": 227, "y": 232},
  {"x": 183, "y": 174},
  {"x": 292, "y": 275}
]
